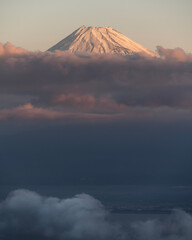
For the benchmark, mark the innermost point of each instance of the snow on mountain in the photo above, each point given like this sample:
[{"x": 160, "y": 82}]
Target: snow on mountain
[{"x": 100, "y": 40}]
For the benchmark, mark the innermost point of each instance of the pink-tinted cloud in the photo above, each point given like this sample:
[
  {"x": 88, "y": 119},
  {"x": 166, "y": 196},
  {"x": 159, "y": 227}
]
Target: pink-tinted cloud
[
  {"x": 9, "y": 49},
  {"x": 175, "y": 54},
  {"x": 29, "y": 112},
  {"x": 87, "y": 103}
]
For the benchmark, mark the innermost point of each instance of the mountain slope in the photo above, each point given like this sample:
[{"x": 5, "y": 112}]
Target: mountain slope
[{"x": 100, "y": 40}]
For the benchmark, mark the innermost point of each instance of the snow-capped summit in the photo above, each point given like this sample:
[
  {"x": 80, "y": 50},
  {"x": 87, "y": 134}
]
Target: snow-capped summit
[{"x": 100, "y": 40}]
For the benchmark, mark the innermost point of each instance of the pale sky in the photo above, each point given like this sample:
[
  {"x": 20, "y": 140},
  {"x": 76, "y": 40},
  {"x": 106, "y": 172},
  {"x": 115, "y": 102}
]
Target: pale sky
[{"x": 39, "y": 24}]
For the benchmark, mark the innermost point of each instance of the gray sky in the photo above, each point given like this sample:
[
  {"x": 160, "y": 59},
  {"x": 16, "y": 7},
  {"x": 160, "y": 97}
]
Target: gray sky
[{"x": 39, "y": 24}]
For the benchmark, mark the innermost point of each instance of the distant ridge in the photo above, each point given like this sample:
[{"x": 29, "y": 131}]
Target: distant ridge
[{"x": 100, "y": 40}]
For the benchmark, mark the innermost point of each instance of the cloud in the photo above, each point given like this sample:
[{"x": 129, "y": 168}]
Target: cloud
[
  {"x": 25, "y": 213},
  {"x": 29, "y": 112},
  {"x": 86, "y": 102},
  {"x": 174, "y": 54},
  {"x": 9, "y": 49},
  {"x": 177, "y": 226},
  {"x": 107, "y": 111},
  {"x": 61, "y": 82}
]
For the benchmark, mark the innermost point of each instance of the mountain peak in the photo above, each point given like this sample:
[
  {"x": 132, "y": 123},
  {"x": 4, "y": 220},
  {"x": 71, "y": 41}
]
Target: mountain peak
[{"x": 100, "y": 40}]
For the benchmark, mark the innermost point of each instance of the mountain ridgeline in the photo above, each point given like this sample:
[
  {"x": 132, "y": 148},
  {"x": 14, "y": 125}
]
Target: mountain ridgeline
[{"x": 100, "y": 40}]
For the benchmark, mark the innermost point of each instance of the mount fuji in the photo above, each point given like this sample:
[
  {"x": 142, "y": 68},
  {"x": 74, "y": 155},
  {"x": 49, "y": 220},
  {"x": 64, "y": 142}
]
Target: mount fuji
[{"x": 100, "y": 40}]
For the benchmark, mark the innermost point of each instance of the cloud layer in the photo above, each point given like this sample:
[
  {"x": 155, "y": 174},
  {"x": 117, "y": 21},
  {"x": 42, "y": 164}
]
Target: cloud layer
[
  {"x": 26, "y": 214},
  {"x": 177, "y": 226},
  {"x": 61, "y": 83}
]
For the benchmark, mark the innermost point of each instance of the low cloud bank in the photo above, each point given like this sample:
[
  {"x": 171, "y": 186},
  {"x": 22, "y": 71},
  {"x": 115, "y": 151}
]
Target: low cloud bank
[
  {"x": 63, "y": 83},
  {"x": 26, "y": 214},
  {"x": 178, "y": 226}
]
